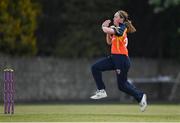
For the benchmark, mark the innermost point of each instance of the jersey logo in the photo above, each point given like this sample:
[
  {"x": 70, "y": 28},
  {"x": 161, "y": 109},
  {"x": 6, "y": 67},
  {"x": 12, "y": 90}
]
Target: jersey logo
[{"x": 118, "y": 71}]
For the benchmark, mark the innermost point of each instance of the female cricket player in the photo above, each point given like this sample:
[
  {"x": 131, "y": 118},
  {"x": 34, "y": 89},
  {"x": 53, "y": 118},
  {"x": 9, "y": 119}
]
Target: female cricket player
[{"x": 116, "y": 36}]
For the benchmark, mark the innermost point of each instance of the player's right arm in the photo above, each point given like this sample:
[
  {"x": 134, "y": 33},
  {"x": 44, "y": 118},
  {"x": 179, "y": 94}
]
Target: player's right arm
[
  {"x": 108, "y": 39},
  {"x": 106, "y": 29}
]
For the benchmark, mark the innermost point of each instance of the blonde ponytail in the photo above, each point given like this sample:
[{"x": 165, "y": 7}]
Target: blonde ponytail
[{"x": 130, "y": 27}]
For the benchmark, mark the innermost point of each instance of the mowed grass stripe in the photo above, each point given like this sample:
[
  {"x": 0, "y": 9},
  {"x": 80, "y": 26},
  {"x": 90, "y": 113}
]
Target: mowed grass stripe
[{"x": 92, "y": 113}]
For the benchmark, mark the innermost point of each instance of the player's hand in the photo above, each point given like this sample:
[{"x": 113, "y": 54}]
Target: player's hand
[
  {"x": 112, "y": 26},
  {"x": 106, "y": 23}
]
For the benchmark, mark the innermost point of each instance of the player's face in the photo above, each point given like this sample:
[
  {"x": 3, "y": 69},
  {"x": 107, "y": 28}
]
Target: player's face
[{"x": 117, "y": 19}]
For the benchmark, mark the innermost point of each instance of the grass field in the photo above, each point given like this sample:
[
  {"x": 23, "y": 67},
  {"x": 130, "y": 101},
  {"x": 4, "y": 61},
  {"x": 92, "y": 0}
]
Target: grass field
[{"x": 92, "y": 113}]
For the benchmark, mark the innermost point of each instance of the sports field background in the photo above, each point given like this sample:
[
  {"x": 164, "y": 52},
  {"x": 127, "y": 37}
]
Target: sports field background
[
  {"x": 92, "y": 113},
  {"x": 52, "y": 44}
]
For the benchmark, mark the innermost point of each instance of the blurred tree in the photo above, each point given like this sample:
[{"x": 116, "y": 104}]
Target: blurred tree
[
  {"x": 82, "y": 34},
  {"x": 75, "y": 29},
  {"x": 17, "y": 27},
  {"x": 169, "y": 10},
  {"x": 161, "y": 5},
  {"x": 167, "y": 24}
]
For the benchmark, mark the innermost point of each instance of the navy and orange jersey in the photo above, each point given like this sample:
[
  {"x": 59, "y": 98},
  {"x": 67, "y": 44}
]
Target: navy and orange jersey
[{"x": 119, "y": 40}]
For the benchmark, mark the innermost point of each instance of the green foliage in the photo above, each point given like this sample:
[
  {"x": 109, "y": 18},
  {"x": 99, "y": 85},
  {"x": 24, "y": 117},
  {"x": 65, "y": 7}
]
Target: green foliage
[
  {"x": 76, "y": 27},
  {"x": 17, "y": 27},
  {"x": 168, "y": 11},
  {"x": 73, "y": 28},
  {"x": 161, "y": 5},
  {"x": 179, "y": 30}
]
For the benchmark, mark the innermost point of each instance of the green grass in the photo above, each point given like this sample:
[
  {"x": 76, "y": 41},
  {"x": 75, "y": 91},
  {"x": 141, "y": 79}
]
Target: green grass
[{"x": 92, "y": 113}]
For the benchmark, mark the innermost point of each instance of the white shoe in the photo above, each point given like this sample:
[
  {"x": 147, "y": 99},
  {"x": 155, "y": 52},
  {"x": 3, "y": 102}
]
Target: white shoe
[
  {"x": 143, "y": 103},
  {"x": 99, "y": 94}
]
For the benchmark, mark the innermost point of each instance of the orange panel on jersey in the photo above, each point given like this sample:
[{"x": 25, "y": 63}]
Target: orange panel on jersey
[{"x": 119, "y": 44}]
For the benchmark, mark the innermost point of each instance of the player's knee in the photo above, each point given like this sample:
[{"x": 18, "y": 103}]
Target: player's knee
[
  {"x": 120, "y": 87},
  {"x": 93, "y": 68}
]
